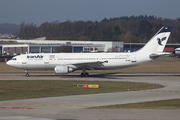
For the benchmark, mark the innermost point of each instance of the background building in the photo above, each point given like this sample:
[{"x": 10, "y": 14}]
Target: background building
[{"x": 15, "y": 47}]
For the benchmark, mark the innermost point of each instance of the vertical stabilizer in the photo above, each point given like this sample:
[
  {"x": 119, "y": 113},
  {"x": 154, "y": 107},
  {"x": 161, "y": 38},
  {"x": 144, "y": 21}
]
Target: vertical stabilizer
[{"x": 157, "y": 43}]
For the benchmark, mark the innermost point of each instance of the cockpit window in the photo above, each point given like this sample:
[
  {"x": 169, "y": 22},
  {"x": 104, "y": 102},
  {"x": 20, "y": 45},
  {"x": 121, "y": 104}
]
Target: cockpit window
[{"x": 13, "y": 59}]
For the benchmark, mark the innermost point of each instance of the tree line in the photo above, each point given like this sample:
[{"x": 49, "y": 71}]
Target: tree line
[
  {"x": 127, "y": 29},
  {"x": 7, "y": 28}
]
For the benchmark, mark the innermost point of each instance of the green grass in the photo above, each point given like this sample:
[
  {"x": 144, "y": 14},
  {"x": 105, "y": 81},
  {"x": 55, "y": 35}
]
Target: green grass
[
  {"x": 11, "y": 90},
  {"x": 162, "y": 104}
]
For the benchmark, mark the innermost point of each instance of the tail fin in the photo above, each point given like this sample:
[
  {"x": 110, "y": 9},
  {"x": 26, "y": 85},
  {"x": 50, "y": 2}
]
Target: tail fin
[{"x": 157, "y": 43}]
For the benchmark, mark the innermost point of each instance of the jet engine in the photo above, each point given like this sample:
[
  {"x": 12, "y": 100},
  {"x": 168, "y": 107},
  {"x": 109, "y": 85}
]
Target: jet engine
[
  {"x": 62, "y": 69},
  {"x": 177, "y": 51}
]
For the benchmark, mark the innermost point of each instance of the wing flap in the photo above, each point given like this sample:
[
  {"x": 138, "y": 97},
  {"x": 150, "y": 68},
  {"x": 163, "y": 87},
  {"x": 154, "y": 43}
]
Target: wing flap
[{"x": 91, "y": 65}]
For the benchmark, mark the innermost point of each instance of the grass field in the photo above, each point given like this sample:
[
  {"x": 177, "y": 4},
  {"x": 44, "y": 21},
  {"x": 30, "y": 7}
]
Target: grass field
[
  {"x": 11, "y": 90},
  {"x": 162, "y": 104},
  {"x": 163, "y": 65}
]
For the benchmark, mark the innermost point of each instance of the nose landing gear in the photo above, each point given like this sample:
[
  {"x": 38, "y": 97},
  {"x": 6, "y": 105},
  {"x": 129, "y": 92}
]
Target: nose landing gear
[{"x": 27, "y": 74}]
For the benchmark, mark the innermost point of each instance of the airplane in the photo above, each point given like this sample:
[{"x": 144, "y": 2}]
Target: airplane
[{"x": 63, "y": 63}]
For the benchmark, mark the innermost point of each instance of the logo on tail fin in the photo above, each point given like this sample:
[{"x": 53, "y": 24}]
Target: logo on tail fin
[{"x": 160, "y": 40}]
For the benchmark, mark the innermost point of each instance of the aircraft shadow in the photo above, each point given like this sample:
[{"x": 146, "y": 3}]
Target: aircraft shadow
[{"x": 104, "y": 75}]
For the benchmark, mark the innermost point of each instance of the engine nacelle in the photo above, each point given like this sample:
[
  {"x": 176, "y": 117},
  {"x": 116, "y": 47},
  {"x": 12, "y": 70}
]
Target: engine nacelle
[
  {"x": 62, "y": 69},
  {"x": 177, "y": 51}
]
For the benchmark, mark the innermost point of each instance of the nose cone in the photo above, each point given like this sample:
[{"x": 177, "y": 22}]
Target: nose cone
[
  {"x": 9, "y": 63},
  {"x": 12, "y": 63}
]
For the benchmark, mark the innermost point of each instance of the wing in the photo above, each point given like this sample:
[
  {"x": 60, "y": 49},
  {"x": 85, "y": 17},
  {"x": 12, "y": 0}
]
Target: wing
[{"x": 91, "y": 65}]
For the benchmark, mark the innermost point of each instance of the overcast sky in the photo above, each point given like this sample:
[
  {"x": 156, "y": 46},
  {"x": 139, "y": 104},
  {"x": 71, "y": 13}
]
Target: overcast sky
[{"x": 40, "y": 11}]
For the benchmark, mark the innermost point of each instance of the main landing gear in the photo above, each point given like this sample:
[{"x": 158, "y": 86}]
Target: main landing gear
[
  {"x": 27, "y": 74},
  {"x": 84, "y": 73}
]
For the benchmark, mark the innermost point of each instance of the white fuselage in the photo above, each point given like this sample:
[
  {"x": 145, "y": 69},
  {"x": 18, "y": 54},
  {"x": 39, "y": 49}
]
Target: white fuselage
[{"x": 48, "y": 61}]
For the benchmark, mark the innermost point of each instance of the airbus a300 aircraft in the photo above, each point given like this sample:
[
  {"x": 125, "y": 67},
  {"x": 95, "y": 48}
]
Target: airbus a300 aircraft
[{"x": 68, "y": 62}]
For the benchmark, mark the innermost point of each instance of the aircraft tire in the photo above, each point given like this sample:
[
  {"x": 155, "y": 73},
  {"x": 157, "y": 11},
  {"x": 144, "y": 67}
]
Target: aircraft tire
[
  {"x": 82, "y": 75},
  {"x": 27, "y": 75},
  {"x": 86, "y": 74}
]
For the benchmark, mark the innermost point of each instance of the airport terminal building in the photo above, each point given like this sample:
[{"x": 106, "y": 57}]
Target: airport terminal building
[
  {"x": 16, "y": 47},
  {"x": 13, "y": 47}
]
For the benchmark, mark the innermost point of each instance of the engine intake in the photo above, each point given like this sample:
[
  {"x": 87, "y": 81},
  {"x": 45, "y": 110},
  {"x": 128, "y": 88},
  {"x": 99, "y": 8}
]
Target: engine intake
[{"x": 62, "y": 69}]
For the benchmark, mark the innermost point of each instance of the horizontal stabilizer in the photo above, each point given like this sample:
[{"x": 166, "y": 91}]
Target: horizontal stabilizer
[{"x": 158, "y": 55}]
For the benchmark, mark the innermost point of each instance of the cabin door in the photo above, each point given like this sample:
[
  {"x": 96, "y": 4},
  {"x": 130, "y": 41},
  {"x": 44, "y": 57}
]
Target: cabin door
[
  {"x": 24, "y": 62},
  {"x": 46, "y": 61}
]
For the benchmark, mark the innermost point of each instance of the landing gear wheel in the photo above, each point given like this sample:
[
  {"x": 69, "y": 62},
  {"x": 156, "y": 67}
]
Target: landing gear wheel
[
  {"x": 27, "y": 74},
  {"x": 84, "y": 74}
]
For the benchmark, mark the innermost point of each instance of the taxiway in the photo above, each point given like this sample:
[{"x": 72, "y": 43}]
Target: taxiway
[{"x": 74, "y": 107}]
